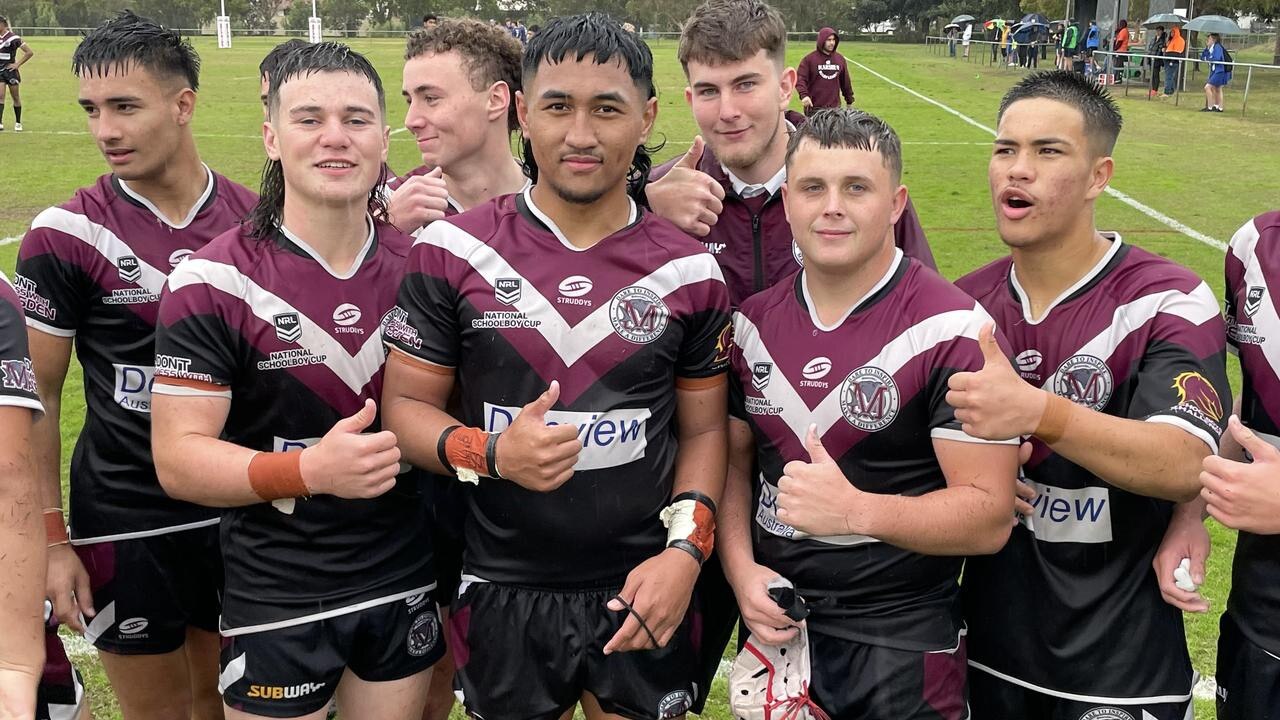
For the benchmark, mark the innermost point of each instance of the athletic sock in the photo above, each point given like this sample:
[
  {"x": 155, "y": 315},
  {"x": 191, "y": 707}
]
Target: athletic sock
[
  {"x": 1, "y": 112},
  {"x": 17, "y": 113}
]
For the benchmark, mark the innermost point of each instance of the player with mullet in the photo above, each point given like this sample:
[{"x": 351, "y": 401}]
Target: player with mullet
[
  {"x": 270, "y": 63},
  {"x": 460, "y": 82},
  {"x": 142, "y": 569},
  {"x": 726, "y": 190},
  {"x": 586, "y": 338},
  {"x": 1119, "y": 380},
  {"x": 269, "y": 359},
  {"x": 869, "y": 492}
]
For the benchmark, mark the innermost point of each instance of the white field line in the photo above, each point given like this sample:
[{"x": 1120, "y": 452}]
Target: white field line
[
  {"x": 9, "y": 240},
  {"x": 1122, "y": 197}
]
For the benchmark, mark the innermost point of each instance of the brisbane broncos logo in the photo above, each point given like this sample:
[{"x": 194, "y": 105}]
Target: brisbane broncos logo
[{"x": 1195, "y": 391}]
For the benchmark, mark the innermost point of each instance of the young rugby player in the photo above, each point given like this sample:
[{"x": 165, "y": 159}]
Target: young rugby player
[
  {"x": 1119, "y": 380},
  {"x": 142, "y": 569},
  {"x": 269, "y": 65},
  {"x": 269, "y": 359},
  {"x": 10, "y": 75},
  {"x": 588, "y": 340}
]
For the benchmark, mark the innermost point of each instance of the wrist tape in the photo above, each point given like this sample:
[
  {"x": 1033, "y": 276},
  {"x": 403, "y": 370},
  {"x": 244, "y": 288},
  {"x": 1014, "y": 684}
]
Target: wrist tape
[{"x": 690, "y": 520}]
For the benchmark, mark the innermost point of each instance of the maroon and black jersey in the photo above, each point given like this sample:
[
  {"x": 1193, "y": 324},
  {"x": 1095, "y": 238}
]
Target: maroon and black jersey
[
  {"x": 93, "y": 269},
  {"x": 17, "y": 377},
  {"x": 875, "y": 383},
  {"x": 1070, "y": 606},
  {"x": 296, "y": 347},
  {"x": 10, "y": 43},
  {"x": 1253, "y": 330},
  {"x": 752, "y": 239},
  {"x": 500, "y": 294}
]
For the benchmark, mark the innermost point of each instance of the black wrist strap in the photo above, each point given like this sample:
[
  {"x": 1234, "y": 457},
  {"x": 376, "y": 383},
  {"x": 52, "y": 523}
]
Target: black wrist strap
[
  {"x": 491, "y": 455},
  {"x": 696, "y": 497},
  {"x": 688, "y": 547},
  {"x": 440, "y": 453}
]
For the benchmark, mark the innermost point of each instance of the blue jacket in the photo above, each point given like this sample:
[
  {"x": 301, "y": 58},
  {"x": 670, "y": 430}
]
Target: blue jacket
[
  {"x": 1214, "y": 55},
  {"x": 1091, "y": 40}
]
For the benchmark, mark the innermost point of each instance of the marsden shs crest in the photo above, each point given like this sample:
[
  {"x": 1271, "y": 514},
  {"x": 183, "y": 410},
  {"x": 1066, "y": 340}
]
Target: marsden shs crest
[
  {"x": 1084, "y": 380},
  {"x": 638, "y": 314},
  {"x": 869, "y": 399}
]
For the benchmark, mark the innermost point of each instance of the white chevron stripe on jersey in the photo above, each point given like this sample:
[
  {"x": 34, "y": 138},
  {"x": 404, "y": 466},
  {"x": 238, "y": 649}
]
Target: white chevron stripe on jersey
[
  {"x": 1265, "y": 318},
  {"x": 1197, "y": 307},
  {"x": 101, "y": 239},
  {"x": 354, "y": 370},
  {"x": 917, "y": 339},
  {"x": 569, "y": 342}
]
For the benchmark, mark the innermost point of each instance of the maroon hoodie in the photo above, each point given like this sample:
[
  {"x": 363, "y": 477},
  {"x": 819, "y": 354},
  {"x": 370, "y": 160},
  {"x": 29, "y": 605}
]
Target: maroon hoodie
[
  {"x": 824, "y": 77},
  {"x": 752, "y": 240}
]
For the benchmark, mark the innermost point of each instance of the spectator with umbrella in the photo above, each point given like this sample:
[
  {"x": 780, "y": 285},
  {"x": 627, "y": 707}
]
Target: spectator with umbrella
[
  {"x": 1219, "y": 74},
  {"x": 952, "y": 29}
]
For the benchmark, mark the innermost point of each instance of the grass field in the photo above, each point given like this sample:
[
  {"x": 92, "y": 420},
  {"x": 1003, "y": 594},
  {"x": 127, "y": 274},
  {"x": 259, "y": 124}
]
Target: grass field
[{"x": 1207, "y": 172}]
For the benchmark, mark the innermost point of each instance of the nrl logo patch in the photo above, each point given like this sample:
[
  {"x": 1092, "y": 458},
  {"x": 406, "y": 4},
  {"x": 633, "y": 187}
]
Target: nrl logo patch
[
  {"x": 760, "y": 374},
  {"x": 507, "y": 290},
  {"x": 288, "y": 327},
  {"x": 129, "y": 268},
  {"x": 1253, "y": 300}
]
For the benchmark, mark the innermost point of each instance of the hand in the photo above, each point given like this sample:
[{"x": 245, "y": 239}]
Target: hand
[
  {"x": 658, "y": 589},
  {"x": 994, "y": 403},
  {"x": 815, "y": 497},
  {"x": 534, "y": 455},
  {"x": 766, "y": 621},
  {"x": 688, "y": 197},
  {"x": 1244, "y": 496},
  {"x": 350, "y": 464},
  {"x": 806, "y": 102},
  {"x": 1186, "y": 537},
  {"x": 419, "y": 201},
  {"x": 67, "y": 587},
  {"x": 1023, "y": 492}
]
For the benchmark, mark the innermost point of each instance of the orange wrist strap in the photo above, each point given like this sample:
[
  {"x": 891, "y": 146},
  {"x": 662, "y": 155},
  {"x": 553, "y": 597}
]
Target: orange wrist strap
[
  {"x": 1053, "y": 423},
  {"x": 465, "y": 449},
  {"x": 55, "y": 528},
  {"x": 276, "y": 475}
]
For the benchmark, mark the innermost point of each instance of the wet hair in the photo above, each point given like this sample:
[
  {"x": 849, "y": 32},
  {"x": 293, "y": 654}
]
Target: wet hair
[
  {"x": 272, "y": 61},
  {"x": 324, "y": 57},
  {"x": 130, "y": 39},
  {"x": 1102, "y": 121},
  {"x": 853, "y": 129},
  {"x": 599, "y": 37},
  {"x": 489, "y": 55},
  {"x": 729, "y": 31}
]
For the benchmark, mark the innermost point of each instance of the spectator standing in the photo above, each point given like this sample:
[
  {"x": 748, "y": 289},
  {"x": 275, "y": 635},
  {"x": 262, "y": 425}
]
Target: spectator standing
[
  {"x": 951, "y": 40},
  {"x": 1219, "y": 74},
  {"x": 968, "y": 34},
  {"x": 429, "y": 21},
  {"x": 1071, "y": 47},
  {"x": 823, "y": 75},
  {"x": 993, "y": 35},
  {"x": 1155, "y": 48},
  {"x": 1121, "y": 49},
  {"x": 1176, "y": 48}
]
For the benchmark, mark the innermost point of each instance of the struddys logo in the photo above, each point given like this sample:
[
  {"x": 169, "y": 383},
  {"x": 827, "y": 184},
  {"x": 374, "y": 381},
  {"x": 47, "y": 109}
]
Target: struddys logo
[
  {"x": 1198, "y": 398},
  {"x": 675, "y": 704},
  {"x": 1084, "y": 380},
  {"x": 129, "y": 268},
  {"x": 423, "y": 634},
  {"x": 178, "y": 256},
  {"x": 1253, "y": 300},
  {"x": 507, "y": 290},
  {"x": 638, "y": 314},
  {"x": 869, "y": 399},
  {"x": 288, "y": 327}
]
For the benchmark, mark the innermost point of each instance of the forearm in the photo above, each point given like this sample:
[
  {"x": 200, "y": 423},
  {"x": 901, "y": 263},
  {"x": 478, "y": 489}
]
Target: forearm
[
  {"x": 46, "y": 453},
  {"x": 417, "y": 425},
  {"x": 204, "y": 470},
  {"x": 1152, "y": 459},
  {"x": 22, "y": 540},
  {"x": 733, "y": 522},
  {"x": 959, "y": 520},
  {"x": 701, "y": 462}
]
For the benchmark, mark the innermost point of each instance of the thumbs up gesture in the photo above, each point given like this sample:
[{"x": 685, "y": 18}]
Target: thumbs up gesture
[
  {"x": 995, "y": 403},
  {"x": 533, "y": 454},
  {"x": 350, "y": 464},
  {"x": 1241, "y": 495},
  {"x": 688, "y": 197},
  {"x": 815, "y": 496},
  {"x": 419, "y": 201}
]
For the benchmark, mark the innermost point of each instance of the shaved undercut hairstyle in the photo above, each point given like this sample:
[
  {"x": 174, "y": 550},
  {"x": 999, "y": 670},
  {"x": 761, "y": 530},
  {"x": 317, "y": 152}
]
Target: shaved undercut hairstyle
[
  {"x": 729, "y": 31},
  {"x": 598, "y": 37},
  {"x": 129, "y": 40},
  {"x": 489, "y": 54},
  {"x": 1102, "y": 121},
  {"x": 850, "y": 129},
  {"x": 324, "y": 57}
]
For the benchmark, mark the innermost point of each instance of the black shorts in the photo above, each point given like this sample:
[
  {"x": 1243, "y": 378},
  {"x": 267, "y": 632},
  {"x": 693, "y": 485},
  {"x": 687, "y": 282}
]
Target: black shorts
[
  {"x": 523, "y": 653},
  {"x": 856, "y": 681},
  {"x": 295, "y": 670},
  {"x": 993, "y": 697},
  {"x": 1248, "y": 676},
  {"x": 10, "y": 77},
  {"x": 61, "y": 690},
  {"x": 148, "y": 590}
]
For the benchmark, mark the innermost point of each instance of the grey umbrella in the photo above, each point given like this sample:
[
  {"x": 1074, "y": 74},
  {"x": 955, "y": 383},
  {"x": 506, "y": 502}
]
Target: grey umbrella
[
  {"x": 1164, "y": 19},
  {"x": 963, "y": 19},
  {"x": 1214, "y": 24}
]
